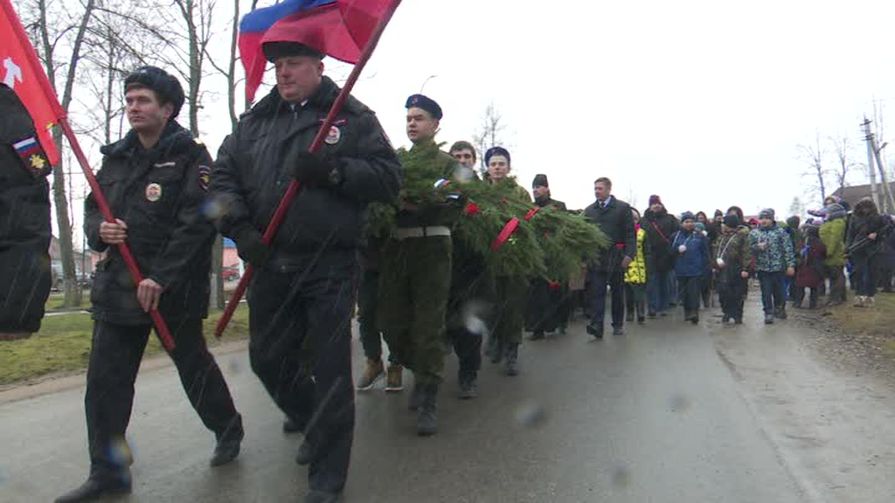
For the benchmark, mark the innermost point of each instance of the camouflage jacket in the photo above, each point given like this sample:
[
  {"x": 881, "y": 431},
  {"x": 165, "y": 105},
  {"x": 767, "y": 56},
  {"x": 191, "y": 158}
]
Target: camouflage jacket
[{"x": 778, "y": 253}]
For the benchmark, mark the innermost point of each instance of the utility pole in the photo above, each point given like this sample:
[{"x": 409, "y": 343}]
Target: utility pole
[{"x": 868, "y": 137}]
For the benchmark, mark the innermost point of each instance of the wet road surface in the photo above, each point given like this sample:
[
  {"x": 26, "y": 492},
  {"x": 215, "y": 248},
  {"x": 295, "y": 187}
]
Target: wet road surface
[{"x": 668, "y": 412}]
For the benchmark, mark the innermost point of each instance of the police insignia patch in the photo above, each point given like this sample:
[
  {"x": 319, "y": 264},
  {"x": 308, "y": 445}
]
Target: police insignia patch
[
  {"x": 335, "y": 134},
  {"x": 153, "y": 192},
  {"x": 204, "y": 177}
]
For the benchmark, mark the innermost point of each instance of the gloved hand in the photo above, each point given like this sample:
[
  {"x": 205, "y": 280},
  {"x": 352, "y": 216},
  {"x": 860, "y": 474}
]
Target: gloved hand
[
  {"x": 313, "y": 170},
  {"x": 250, "y": 247}
]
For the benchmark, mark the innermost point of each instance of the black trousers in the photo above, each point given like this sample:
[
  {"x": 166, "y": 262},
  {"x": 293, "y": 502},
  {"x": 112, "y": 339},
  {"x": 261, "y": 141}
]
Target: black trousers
[
  {"x": 597, "y": 281},
  {"x": 367, "y": 305},
  {"x": 300, "y": 348},
  {"x": 731, "y": 292},
  {"x": 690, "y": 288},
  {"x": 773, "y": 293},
  {"x": 114, "y": 361}
]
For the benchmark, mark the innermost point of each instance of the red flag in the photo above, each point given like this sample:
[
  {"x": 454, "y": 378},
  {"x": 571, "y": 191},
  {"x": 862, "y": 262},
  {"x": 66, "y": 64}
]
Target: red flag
[{"x": 21, "y": 70}]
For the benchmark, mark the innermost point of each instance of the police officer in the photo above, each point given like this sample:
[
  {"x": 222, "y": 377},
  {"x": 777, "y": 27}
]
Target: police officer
[
  {"x": 25, "y": 223},
  {"x": 155, "y": 179},
  {"x": 416, "y": 267},
  {"x": 302, "y": 296}
]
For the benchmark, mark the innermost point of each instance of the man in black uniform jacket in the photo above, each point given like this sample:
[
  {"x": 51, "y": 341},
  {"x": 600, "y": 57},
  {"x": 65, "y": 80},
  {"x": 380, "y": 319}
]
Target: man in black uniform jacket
[
  {"x": 155, "y": 179},
  {"x": 24, "y": 221},
  {"x": 302, "y": 295}
]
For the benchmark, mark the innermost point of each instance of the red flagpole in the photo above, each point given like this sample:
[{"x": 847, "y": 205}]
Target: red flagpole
[
  {"x": 161, "y": 327},
  {"x": 294, "y": 186}
]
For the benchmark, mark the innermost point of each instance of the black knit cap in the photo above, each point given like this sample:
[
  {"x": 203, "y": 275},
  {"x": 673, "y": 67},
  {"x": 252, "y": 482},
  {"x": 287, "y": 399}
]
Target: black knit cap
[
  {"x": 426, "y": 103},
  {"x": 165, "y": 85},
  {"x": 284, "y": 49},
  {"x": 540, "y": 181}
]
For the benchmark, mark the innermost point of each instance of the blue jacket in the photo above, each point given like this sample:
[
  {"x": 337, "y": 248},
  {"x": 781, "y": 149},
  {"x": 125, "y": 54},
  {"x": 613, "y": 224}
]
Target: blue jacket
[{"x": 695, "y": 259}]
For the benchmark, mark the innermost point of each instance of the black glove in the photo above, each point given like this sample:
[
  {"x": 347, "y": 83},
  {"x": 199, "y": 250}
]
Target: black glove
[
  {"x": 250, "y": 247},
  {"x": 313, "y": 170}
]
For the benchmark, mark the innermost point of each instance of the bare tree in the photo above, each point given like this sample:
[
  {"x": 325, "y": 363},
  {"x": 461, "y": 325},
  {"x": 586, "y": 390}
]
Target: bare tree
[
  {"x": 60, "y": 28},
  {"x": 843, "y": 150},
  {"x": 489, "y": 134},
  {"x": 814, "y": 155}
]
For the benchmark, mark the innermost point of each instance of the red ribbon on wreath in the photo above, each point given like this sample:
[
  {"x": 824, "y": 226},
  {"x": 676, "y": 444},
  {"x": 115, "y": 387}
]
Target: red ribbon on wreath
[
  {"x": 505, "y": 234},
  {"x": 531, "y": 213}
]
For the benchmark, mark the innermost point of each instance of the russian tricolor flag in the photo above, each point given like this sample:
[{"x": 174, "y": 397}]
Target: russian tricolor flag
[{"x": 337, "y": 28}]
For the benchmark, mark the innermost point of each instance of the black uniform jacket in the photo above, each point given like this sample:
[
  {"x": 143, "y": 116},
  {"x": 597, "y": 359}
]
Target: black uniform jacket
[
  {"x": 160, "y": 194},
  {"x": 256, "y": 162}
]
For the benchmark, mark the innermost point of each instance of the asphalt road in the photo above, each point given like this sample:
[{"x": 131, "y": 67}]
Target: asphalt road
[{"x": 667, "y": 413}]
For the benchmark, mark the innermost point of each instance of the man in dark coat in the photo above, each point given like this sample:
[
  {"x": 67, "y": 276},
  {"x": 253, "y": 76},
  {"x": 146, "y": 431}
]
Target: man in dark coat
[
  {"x": 155, "y": 179},
  {"x": 548, "y": 303},
  {"x": 302, "y": 296},
  {"x": 24, "y": 221},
  {"x": 614, "y": 218},
  {"x": 660, "y": 226}
]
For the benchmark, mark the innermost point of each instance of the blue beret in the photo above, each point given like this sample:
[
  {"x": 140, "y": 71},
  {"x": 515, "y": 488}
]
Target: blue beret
[
  {"x": 426, "y": 103},
  {"x": 496, "y": 151}
]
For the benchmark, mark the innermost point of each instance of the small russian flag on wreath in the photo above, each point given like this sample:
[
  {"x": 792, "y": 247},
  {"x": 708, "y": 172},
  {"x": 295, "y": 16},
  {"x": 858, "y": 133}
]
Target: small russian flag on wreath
[{"x": 33, "y": 155}]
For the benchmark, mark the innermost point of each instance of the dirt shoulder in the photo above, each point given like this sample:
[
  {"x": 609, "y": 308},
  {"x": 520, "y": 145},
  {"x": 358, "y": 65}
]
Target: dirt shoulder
[{"x": 853, "y": 339}]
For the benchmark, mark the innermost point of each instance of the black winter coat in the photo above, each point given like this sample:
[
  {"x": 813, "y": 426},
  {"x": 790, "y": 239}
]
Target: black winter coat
[
  {"x": 24, "y": 223},
  {"x": 660, "y": 228},
  {"x": 255, "y": 164},
  {"x": 617, "y": 222},
  {"x": 160, "y": 194}
]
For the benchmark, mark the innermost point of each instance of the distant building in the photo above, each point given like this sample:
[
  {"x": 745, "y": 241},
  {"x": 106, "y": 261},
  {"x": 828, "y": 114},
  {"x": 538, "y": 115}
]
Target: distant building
[{"x": 855, "y": 193}]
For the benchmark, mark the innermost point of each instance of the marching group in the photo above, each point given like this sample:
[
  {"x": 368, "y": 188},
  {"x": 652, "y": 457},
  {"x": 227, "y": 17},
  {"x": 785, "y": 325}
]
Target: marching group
[{"x": 422, "y": 287}]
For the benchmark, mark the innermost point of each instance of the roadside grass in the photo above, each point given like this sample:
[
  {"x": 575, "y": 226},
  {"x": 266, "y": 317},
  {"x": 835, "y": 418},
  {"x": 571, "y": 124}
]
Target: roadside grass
[
  {"x": 878, "y": 321},
  {"x": 63, "y": 345}
]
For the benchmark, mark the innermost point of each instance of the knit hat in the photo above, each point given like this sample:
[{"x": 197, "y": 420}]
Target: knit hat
[
  {"x": 835, "y": 211},
  {"x": 654, "y": 199},
  {"x": 766, "y": 213},
  {"x": 687, "y": 215},
  {"x": 700, "y": 226},
  {"x": 732, "y": 221},
  {"x": 719, "y": 213},
  {"x": 540, "y": 181}
]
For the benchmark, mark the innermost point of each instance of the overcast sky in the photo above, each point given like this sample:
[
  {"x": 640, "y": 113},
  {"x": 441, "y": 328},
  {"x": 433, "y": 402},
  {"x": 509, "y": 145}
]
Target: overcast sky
[{"x": 701, "y": 102}]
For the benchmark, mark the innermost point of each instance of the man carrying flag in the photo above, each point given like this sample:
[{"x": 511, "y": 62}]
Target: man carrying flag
[
  {"x": 25, "y": 222},
  {"x": 303, "y": 292},
  {"x": 156, "y": 179}
]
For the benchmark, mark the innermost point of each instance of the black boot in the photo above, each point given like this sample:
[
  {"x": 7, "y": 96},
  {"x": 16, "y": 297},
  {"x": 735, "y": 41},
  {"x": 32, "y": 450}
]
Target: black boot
[
  {"x": 227, "y": 447},
  {"x": 427, "y": 416},
  {"x": 469, "y": 387},
  {"x": 595, "y": 330},
  {"x": 416, "y": 397},
  {"x": 780, "y": 313},
  {"x": 537, "y": 335},
  {"x": 496, "y": 349},
  {"x": 512, "y": 357},
  {"x": 94, "y": 489},
  {"x": 321, "y": 497}
]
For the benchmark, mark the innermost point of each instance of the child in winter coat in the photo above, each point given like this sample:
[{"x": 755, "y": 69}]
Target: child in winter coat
[
  {"x": 733, "y": 261},
  {"x": 635, "y": 275},
  {"x": 774, "y": 257},
  {"x": 692, "y": 251},
  {"x": 810, "y": 273},
  {"x": 832, "y": 233}
]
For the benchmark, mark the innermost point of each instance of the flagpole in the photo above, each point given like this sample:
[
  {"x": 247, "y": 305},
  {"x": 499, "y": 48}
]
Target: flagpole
[
  {"x": 161, "y": 327},
  {"x": 294, "y": 186}
]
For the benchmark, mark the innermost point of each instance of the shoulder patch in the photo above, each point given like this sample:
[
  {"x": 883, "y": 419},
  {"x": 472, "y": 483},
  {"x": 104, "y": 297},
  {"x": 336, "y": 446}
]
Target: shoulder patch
[{"x": 204, "y": 177}]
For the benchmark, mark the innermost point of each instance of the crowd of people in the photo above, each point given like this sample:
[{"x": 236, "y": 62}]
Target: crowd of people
[{"x": 406, "y": 237}]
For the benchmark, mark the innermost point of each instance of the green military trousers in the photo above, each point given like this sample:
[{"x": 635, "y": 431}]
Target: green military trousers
[{"x": 415, "y": 281}]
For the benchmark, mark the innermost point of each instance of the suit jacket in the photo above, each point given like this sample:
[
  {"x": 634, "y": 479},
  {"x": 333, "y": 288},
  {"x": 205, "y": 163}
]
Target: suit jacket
[{"x": 616, "y": 221}]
